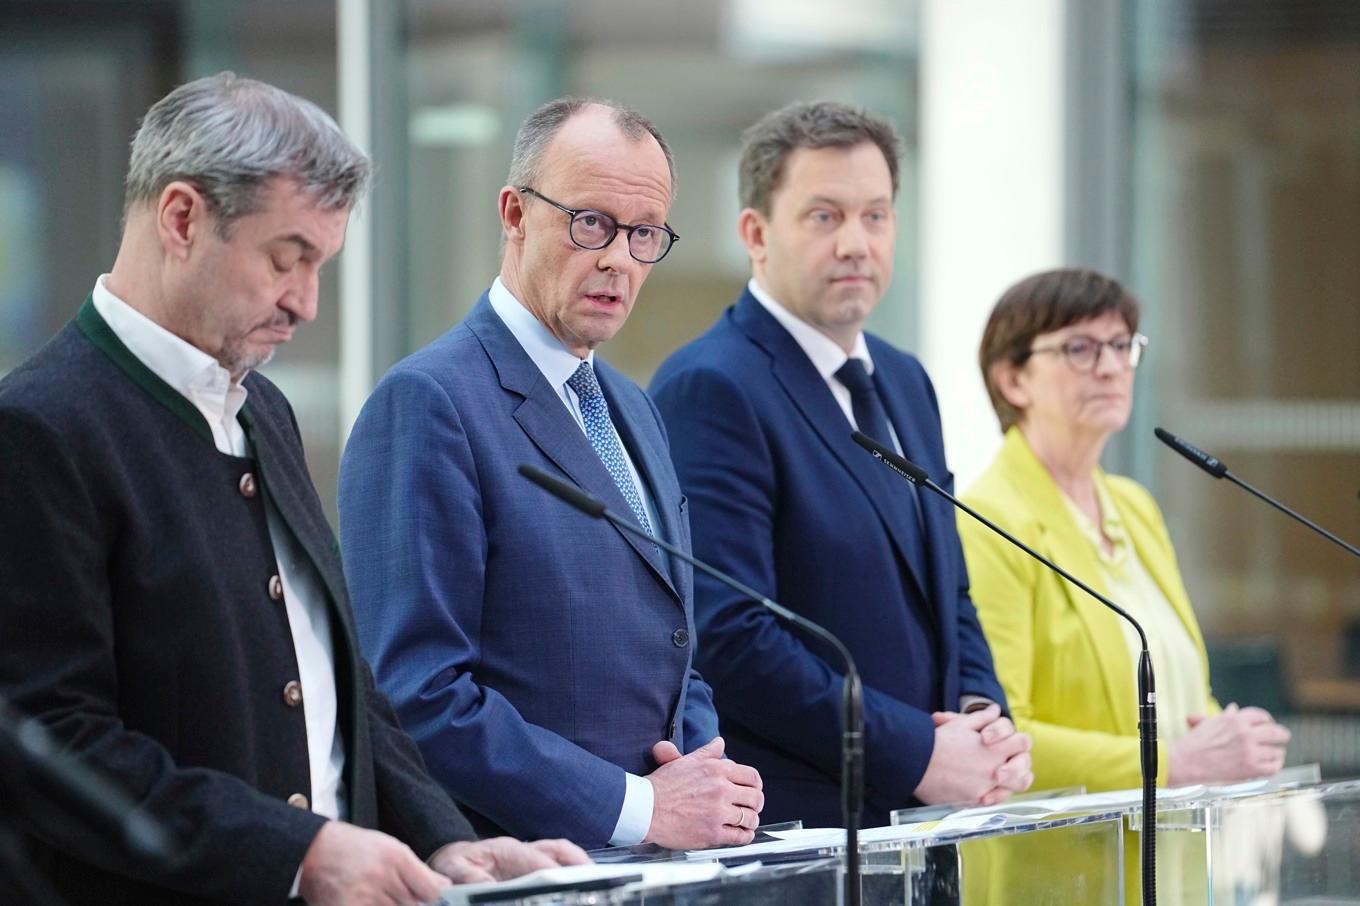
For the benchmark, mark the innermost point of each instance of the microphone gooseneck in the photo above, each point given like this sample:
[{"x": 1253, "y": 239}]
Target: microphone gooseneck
[
  {"x": 55, "y": 776},
  {"x": 852, "y": 707},
  {"x": 1218, "y": 469},
  {"x": 1147, "y": 690}
]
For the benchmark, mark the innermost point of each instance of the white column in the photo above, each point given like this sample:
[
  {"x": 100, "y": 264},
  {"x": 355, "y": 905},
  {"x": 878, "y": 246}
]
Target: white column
[
  {"x": 354, "y": 62},
  {"x": 992, "y": 188}
]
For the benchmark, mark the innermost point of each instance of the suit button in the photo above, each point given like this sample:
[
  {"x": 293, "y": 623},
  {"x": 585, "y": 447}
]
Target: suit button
[
  {"x": 292, "y": 693},
  {"x": 275, "y": 588},
  {"x": 680, "y": 637},
  {"x": 247, "y": 485},
  {"x": 297, "y": 800}
]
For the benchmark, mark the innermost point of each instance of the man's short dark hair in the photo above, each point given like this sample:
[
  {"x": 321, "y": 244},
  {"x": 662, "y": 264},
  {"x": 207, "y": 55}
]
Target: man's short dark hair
[{"x": 767, "y": 145}]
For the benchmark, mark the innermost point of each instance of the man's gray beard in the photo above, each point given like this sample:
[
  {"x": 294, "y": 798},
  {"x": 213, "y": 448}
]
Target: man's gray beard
[{"x": 239, "y": 361}]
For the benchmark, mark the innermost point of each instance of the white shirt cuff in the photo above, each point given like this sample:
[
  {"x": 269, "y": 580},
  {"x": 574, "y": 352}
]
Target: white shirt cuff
[
  {"x": 635, "y": 818},
  {"x": 973, "y": 703},
  {"x": 297, "y": 883}
]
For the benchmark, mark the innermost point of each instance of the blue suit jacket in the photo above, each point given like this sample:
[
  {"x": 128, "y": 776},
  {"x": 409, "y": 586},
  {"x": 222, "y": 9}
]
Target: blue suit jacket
[
  {"x": 782, "y": 498},
  {"x": 532, "y": 652}
]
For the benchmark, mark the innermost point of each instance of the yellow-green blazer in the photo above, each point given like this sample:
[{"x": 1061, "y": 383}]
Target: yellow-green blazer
[
  {"x": 1060, "y": 655},
  {"x": 1067, "y": 672}
]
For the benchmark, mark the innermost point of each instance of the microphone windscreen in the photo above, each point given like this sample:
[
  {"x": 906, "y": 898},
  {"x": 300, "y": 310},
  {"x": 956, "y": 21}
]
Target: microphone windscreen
[
  {"x": 1211, "y": 464},
  {"x": 892, "y": 459}
]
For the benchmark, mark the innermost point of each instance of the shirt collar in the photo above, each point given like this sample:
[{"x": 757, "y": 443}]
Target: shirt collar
[
  {"x": 826, "y": 354},
  {"x": 189, "y": 370},
  {"x": 555, "y": 361}
]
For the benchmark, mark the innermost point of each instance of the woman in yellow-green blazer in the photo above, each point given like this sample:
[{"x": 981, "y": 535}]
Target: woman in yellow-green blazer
[
  {"x": 1058, "y": 357},
  {"x": 1063, "y": 658}
]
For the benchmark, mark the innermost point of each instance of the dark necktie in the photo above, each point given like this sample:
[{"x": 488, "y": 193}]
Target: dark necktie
[{"x": 872, "y": 419}]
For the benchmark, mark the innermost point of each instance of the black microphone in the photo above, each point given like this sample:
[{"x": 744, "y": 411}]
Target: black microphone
[
  {"x": 1147, "y": 691},
  {"x": 27, "y": 748},
  {"x": 852, "y": 748},
  {"x": 1216, "y": 467}
]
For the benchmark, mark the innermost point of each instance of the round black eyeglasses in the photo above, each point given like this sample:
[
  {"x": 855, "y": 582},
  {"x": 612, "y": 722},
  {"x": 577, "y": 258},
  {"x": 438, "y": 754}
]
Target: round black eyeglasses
[{"x": 594, "y": 230}]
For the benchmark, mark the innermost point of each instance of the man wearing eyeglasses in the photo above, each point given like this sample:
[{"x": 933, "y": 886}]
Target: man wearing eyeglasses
[
  {"x": 761, "y": 409},
  {"x": 543, "y": 660}
]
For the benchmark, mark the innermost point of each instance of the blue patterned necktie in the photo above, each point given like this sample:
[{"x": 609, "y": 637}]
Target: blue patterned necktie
[{"x": 600, "y": 430}]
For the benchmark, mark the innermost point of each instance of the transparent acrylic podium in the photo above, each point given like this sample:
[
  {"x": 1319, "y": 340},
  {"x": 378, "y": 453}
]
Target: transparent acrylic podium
[
  {"x": 933, "y": 863},
  {"x": 1283, "y": 839},
  {"x": 1025, "y": 854},
  {"x": 923, "y": 860},
  {"x": 1288, "y": 839}
]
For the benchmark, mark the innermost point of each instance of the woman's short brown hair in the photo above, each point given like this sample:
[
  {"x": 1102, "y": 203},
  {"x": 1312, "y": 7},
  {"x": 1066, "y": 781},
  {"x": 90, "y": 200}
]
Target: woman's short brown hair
[{"x": 1040, "y": 304}]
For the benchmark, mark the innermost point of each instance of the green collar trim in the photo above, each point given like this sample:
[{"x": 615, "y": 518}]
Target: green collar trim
[{"x": 98, "y": 332}]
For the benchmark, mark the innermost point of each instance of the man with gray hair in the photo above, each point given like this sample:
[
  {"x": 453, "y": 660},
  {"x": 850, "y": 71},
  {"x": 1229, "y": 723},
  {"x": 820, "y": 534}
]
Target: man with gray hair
[
  {"x": 761, "y": 409},
  {"x": 174, "y": 607},
  {"x": 542, "y": 660}
]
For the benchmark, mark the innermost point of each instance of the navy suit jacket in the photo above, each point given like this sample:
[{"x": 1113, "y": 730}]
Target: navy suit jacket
[
  {"x": 782, "y": 498},
  {"x": 533, "y": 653}
]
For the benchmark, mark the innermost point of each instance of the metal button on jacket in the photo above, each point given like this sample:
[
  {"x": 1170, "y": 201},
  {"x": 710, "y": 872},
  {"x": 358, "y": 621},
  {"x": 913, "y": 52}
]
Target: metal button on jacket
[
  {"x": 247, "y": 485},
  {"x": 297, "y": 800},
  {"x": 292, "y": 693},
  {"x": 680, "y": 637},
  {"x": 275, "y": 588}
]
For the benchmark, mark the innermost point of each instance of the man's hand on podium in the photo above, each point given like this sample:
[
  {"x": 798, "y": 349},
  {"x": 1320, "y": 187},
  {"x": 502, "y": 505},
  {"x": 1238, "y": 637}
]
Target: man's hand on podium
[
  {"x": 502, "y": 858},
  {"x": 349, "y": 866},
  {"x": 703, "y": 799},
  {"x": 978, "y": 758}
]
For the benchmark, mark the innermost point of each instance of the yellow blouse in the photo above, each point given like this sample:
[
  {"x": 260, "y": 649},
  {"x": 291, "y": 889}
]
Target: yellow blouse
[{"x": 1182, "y": 688}]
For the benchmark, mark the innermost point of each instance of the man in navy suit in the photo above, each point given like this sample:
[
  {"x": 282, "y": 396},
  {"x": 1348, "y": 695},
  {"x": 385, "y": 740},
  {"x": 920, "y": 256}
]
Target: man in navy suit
[
  {"x": 761, "y": 408},
  {"x": 542, "y": 660}
]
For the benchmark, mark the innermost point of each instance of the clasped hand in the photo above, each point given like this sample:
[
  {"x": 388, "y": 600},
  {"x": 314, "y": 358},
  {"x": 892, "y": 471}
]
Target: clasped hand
[
  {"x": 702, "y": 799},
  {"x": 1235, "y": 744},
  {"x": 978, "y": 758}
]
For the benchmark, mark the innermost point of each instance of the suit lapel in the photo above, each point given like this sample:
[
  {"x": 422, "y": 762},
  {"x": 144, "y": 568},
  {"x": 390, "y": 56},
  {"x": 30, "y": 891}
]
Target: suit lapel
[
  {"x": 808, "y": 392},
  {"x": 1063, "y": 543},
  {"x": 637, "y": 427},
  {"x": 285, "y": 480},
  {"x": 545, "y": 419},
  {"x": 288, "y": 486},
  {"x": 937, "y": 513}
]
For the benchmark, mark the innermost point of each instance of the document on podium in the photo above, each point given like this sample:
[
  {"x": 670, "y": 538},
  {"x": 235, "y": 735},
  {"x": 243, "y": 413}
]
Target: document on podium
[
  {"x": 1114, "y": 799},
  {"x": 568, "y": 878},
  {"x": 785, "y": 841}
]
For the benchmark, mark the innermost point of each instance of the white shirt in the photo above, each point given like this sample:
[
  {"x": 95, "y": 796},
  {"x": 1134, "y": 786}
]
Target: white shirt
[
  {"x": 825, "y": 353},
  {"x": 208, "y": 385},
  {"x": 558, "y": 364}
]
